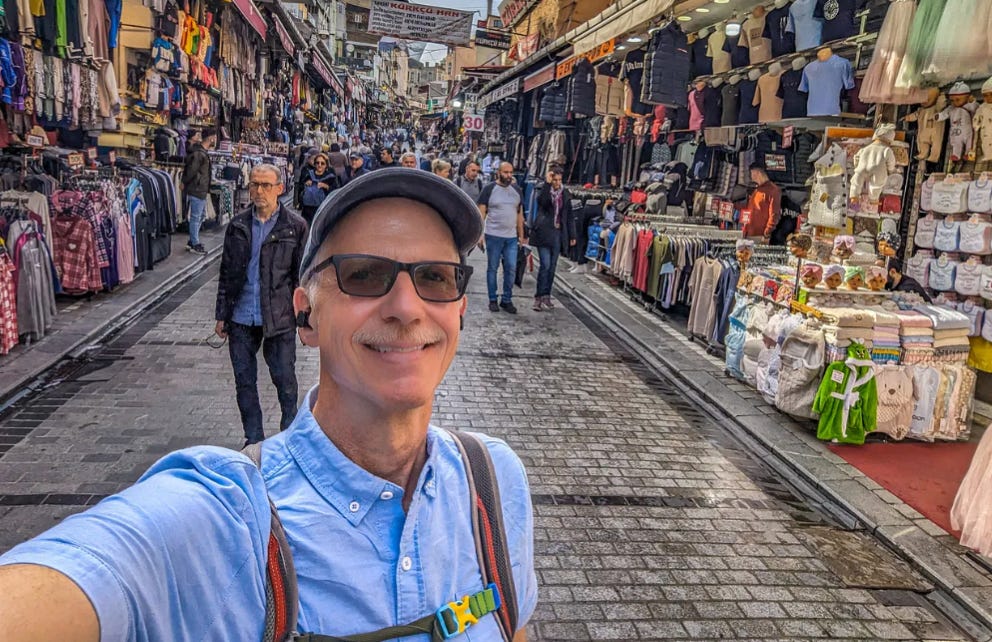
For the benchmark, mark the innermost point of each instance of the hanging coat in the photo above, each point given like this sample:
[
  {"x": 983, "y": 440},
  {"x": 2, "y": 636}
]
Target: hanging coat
[
  {"x": 847, "y": 399},
  {"x": 582, "y": 90}
]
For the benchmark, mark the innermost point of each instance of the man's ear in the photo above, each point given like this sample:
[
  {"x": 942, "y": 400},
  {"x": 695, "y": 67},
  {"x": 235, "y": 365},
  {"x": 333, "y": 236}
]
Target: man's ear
[{"x": 304, "y": 312}]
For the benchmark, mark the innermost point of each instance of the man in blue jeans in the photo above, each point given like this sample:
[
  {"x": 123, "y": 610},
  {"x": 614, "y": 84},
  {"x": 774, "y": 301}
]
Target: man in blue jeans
[
  {"x": 501, "y": 204},
  {"x": 196, "y": 185},
  {"x": 259, "y": 271}
]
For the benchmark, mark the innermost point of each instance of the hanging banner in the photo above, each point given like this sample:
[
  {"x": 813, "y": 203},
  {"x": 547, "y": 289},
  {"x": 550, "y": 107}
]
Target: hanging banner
[
  {"x": 322, "y": 70},
  {"x": 526, "y": 46},
  {"x": 511, "y": 88},
  {"x": 287, "y": 42},
  {"x": 420, "y": 23},
  {"x": 605, "y": 49},
  {"x": 541, "y": 77}
]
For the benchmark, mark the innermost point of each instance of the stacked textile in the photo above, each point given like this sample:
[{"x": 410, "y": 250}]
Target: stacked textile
[
  {"x": 916, "y": 336},
  {"x": 844, "y": 327},
  {"x": 886, "y": 343},
  {"x": 950, "y": 333}
]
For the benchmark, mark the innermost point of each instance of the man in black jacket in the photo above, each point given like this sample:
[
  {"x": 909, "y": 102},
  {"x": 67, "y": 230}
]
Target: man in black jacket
[
  {"x": 552, "y": 233},
  {"x": 259, "y": 271},
  {"x": 196, "y": 185}
]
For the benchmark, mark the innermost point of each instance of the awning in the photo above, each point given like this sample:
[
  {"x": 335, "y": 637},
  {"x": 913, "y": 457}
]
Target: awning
[
  {"x": 540, "y": 77},
  {"x": 284, "y": 39},
  {"x": 252, "y": 16},
  {"x": 633, "y": 14}
]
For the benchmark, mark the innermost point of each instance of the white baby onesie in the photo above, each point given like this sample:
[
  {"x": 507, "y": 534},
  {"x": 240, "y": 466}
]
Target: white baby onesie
[{"x": 872, "y": 166}]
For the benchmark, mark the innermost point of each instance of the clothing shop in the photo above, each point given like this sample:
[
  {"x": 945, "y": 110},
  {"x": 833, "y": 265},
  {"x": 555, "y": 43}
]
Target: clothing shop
[{"x": 806, "y": 184}]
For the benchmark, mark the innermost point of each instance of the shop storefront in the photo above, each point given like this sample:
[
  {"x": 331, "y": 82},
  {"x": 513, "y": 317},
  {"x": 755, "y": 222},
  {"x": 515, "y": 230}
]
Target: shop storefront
[
  {"x": 95, "y": 123},
  {"x": 782, "y": 177}
]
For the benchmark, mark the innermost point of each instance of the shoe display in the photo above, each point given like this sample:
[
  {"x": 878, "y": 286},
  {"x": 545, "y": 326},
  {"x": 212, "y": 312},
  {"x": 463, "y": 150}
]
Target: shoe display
[
  {"x": 509, "y": 307},
  {"x": 493, "y": 306}
]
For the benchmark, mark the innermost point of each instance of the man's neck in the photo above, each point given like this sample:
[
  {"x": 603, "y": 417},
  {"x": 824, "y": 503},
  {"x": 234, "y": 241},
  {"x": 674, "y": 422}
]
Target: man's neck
[
  {"x": 265, "y": 214},
  {"x": 391, "y": 447}
]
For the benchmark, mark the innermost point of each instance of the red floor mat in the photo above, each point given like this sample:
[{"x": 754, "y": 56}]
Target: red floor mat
[{"x": 925, "y": 476}]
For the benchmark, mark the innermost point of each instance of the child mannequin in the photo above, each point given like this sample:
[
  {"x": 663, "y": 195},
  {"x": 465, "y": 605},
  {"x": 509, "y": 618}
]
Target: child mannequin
[
  {"x": 854, "y": 277},
  {"x": 930, "y": 136},
  {"x": 811, "y": 275},
  {"x": 982, "y": 123},
  {"x": 962, "y": 138},
  {"x": 877, "y": 278},
  {"x": 833, "y": 276}
]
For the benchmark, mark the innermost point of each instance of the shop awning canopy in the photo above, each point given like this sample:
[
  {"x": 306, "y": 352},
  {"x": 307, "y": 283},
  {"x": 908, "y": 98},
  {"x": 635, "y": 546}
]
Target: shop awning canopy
[
  {"x": 252, "y": 16},
  {"x": 624, "y": 17}
]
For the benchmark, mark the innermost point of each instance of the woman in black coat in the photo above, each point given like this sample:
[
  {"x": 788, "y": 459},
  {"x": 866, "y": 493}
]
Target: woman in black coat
[
  {"x": 551, "y": 233},
  {"x": 320, "y": 181}
]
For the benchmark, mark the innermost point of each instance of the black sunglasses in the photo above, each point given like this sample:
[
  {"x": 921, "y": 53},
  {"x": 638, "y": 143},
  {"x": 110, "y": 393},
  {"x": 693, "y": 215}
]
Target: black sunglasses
[{"x": 373, "y": 276}]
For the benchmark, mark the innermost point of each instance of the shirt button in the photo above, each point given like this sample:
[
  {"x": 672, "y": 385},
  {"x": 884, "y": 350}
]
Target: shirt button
[
  {"x": 386, "y": 494},
  {"x": 354, "y": 506},
  {"x": 406, "y": 563}
]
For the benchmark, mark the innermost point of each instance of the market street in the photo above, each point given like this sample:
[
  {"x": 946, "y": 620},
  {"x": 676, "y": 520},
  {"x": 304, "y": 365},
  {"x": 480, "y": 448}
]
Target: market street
[{"x": 650, "y": 523}]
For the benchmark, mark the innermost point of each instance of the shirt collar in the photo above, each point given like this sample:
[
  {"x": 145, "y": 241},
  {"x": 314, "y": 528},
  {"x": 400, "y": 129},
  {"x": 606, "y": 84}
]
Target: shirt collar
[
  {"x": 269, "y": 221},
  {"x": 345, "y": 485}
]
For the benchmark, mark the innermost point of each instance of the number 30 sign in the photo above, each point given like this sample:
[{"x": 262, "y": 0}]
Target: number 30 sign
[{"x": 472, "y": 123}]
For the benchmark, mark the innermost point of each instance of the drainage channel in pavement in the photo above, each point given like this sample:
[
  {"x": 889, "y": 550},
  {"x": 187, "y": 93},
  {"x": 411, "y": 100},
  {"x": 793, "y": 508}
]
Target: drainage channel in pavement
[
  {"x": 33, "y": 404},
  {"x": 822, "y": 524}
]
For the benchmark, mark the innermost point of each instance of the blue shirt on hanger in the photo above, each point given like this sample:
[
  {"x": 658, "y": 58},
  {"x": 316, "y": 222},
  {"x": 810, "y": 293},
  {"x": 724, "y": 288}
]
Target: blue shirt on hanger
[{"x": 824, "y": 81}]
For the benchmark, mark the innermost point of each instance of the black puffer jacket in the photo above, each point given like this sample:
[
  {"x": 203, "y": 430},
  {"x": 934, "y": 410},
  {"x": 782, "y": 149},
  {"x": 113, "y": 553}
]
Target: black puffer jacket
[
  {"x": 582, "y": 89},
  {"x": 667, "y": 68},
  {"x": 553, "y": 103},
  {"x": 279, "y": 269},
  {"x": 543, "y": 228}
]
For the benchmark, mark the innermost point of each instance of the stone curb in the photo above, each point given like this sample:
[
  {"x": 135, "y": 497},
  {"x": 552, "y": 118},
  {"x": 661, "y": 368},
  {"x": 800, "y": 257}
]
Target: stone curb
[
  {"x": 884, "y": 516},
  {"x": 25, "y": 383}
]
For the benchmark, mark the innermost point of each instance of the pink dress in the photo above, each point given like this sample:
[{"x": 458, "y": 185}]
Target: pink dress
[
  {"x": 972, "y": 510},
  {"x": 879, "y": 85}
]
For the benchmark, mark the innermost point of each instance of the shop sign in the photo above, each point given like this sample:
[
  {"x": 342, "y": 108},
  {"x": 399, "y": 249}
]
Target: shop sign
[
  {"x": 36, "y": 141},
  {"x": 605, "y": 49},
  {"x": 473, "y": 123},
  {"x": 92, "y": 153},
  {"x": 76, "y": 161},
  {"x": 112, "y": 157},
  {"x": 539, "y": 78},
  {"x": 787, "y": 135},
  {"x": 252, "y": 16},
  {"x": 224, "y": 147},
  {"x": 511, "y": 88},
  {"x": 278, "y": 148},
  {"x": 492, "y": 39},
  {"x": 420, "y": 22},
  {"x": 322, "y": 70},
  {"x": 471, "y": 101},
  {"x": 287, "y": 42},
  {"x": 512, "y": 10}
]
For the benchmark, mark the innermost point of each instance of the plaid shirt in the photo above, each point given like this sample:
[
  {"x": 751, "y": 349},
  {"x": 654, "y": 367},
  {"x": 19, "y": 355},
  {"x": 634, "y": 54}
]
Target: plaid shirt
[
  {"x": 8, "y": 304},
  {"x": 75, "y": 255},
  {"x": 88, "y": 207}
]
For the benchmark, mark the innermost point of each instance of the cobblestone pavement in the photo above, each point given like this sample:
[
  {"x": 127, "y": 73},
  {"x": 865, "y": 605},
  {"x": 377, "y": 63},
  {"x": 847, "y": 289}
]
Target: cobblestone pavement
[{"x": 651, "y": 523}]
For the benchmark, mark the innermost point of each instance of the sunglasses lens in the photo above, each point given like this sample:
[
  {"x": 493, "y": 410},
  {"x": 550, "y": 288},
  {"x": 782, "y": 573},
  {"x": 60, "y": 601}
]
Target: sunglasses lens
[
  {"x": 439, "y": 282},
  {"x": 365, "y": 276}
]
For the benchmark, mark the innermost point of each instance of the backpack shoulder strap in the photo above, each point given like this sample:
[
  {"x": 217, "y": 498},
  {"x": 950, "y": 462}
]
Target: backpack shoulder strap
[
  {"x": 281, "y": 592},
  {"x": 487, "y": 524}
]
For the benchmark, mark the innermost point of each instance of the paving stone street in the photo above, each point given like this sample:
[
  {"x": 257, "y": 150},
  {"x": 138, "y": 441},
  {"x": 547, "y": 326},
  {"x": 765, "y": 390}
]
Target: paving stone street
[{"x": 651, "y": 521}]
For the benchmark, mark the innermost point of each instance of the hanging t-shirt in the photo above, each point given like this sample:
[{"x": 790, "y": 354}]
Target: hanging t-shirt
[
  {"x": 793, "y": 101},
  {"x": 711, "y": 107},
  {"x": 748, "y": 113},
  {"x": 824, "y": 82},
  {"x": 714, "y": 49},
  {"x": 730, "y": 95},
  {"x": 695, "y": 110},
  {"x": 838, "y": 18},
  {"x": 808, "y": 29},
  {"x": 776, "y": 23},
  {"x": 738, "y": 54},
  {"x": 702, "y": 64},
  {"x": 759, "y": 47},
  {"x": 633, "y": 73}
]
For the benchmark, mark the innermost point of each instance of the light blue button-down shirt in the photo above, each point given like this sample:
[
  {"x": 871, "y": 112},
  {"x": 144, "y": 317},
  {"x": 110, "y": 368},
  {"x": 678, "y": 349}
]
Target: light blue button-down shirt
[
  {"x": 181, "y": 554},
  {"x": 248, "y": 310}
]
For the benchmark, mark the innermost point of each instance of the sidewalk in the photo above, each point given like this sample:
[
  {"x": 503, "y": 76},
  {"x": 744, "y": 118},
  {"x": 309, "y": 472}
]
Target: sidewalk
[
  {"x": 934, "y": 552},
  {"x": 82, "y": 322}
]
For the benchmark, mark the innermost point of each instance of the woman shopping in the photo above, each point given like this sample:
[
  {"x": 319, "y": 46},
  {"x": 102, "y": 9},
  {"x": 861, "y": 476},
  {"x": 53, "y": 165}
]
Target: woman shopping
[
  {"x": 321, "y": 181},
  {"x": 552, "y": 233}
]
